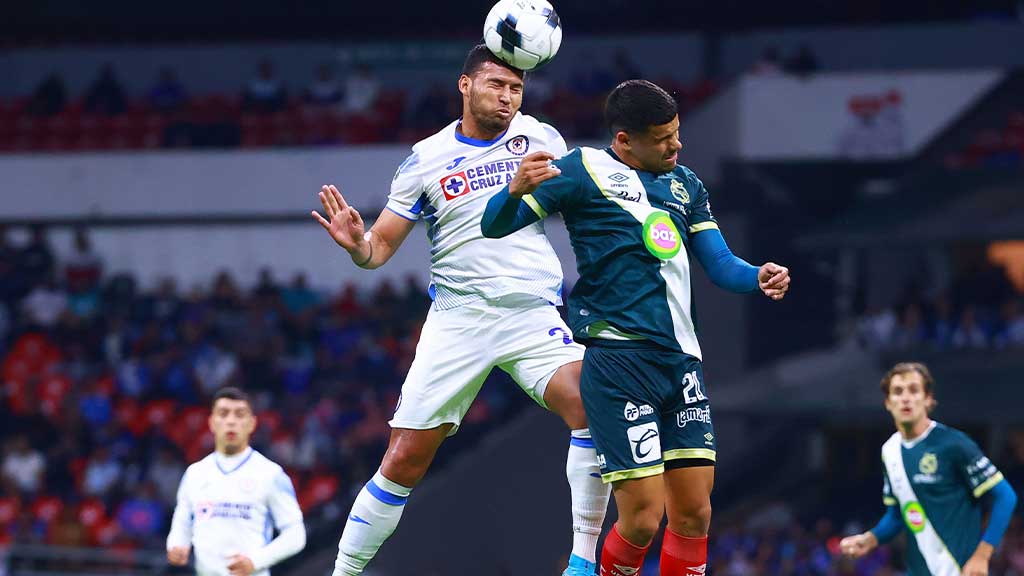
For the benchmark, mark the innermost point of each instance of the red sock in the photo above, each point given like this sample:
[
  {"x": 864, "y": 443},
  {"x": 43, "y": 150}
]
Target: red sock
[
  {"x": 682, "y": 556},
  {"x": 619, "y": 557}
]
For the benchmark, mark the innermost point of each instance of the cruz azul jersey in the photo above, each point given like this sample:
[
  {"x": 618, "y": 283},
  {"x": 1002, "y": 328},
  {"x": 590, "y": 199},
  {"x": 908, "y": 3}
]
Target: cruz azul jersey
[
  {"x": 629, "y": 229},
  {"x": 948, "y": 474},
  {"x": 234, "y": 510},
  {"x": 447, "y": 181}
]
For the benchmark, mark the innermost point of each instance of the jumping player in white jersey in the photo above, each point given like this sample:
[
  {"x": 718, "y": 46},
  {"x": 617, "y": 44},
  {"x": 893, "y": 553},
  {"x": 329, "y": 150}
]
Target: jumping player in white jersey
[
  {"x": 503, "y": 305},
  {"x": 230, "y": 502}
]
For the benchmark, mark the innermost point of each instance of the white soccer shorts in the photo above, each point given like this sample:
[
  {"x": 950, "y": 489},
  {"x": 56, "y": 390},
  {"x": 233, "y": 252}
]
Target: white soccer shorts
[{"x": 522, "y": 335}]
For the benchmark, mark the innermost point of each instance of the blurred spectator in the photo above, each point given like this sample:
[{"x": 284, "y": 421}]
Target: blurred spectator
[
  {"x": 83, "y": 267},
  {"x": 299, "y": 297},
  {"x": 969, "y": 332},
  {"x": 912, "y": 331},
  {"x": 264, "y": 94},
  {"x": 877, "y": 329},
  {"x": 361, "y": 90},
  {"x": 45, "y": 304},
  {"x": 10, "y": 272},
  {"x": 325, "y": 89},
  {"x": 23, "y": 466},
  {"x": 142, "y": 515},
  {"x": 803, "y": 63},
  {"x": 769, "y": 64},
  {"x": 102, "y": 474},
  {"x": 1011, "y": 332},
  {"x": 168, "y": 94},
  {"x": 35, "y": 261},
  {"x": 49, "y": 98},
  {"x": 165, "y": 473},
  {"x": 106, "y": 96}
]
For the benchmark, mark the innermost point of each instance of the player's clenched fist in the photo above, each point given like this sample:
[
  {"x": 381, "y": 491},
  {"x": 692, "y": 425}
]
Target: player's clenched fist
[
  {"x": 533, "y": 170},
  {"x": 858, "y": 545},
  {"x": 773, "y": 280},
  {"x": 178, "y": 555}
]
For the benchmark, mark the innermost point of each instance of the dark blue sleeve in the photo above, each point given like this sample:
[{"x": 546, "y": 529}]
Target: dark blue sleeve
[
  {"x": 506, "y": 214},
  {"x": 725, "y": 269},
  {"x": 889, "y": 526},
  {"x": 1004, "y": 500}
]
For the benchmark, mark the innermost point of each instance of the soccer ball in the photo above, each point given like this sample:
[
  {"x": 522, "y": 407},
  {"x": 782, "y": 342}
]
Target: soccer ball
[{"x": 524, "y": 33}]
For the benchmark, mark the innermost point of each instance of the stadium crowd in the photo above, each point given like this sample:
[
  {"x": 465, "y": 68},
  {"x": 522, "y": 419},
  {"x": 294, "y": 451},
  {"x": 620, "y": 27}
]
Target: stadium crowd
[{"x": 331, "y": 109}]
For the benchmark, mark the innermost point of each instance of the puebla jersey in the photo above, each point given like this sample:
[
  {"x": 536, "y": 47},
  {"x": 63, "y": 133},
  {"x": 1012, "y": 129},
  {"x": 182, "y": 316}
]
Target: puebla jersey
[
  {"x": 630, "y": 230},
  {"x": 225, "y": 511},
  {"x": 447, "y": 181},
  {"x": 947, "y": 475}
]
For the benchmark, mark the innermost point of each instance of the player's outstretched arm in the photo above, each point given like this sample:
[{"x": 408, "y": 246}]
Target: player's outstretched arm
[
  {"x": 508, "y": 210},
  {"x": 886, "y": 529},
  {"x": 1004, "y": 500},
  {"x": 345, "y": 225}
]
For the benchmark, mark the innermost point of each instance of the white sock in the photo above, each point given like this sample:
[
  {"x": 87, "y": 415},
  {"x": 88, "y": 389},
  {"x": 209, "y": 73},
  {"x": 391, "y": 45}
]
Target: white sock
[
  {"x": 589, "y": 494},
  {"x": 373, "y": 518}
]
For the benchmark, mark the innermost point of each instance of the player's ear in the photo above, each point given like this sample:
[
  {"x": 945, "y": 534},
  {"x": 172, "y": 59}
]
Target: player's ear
[
  {"x": 622, "y": 139},
  {"x": 464, "y": 83}
]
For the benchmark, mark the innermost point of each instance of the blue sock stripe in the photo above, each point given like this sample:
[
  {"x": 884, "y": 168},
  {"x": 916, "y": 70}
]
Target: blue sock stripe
[
  {"x": 385, "y": 496},
  {"x": 581, "y": 442}
]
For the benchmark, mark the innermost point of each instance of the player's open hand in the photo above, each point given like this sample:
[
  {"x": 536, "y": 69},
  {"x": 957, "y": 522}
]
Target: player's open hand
[
  {"x": 177, "y": 555},
  {"x": 240, "y": 565},
  {"x": 533, "y": 170},
  {"x": 773, "y": 280},
  {"x": 342, "y": 221},
  {"x": 858, "y": 545}
]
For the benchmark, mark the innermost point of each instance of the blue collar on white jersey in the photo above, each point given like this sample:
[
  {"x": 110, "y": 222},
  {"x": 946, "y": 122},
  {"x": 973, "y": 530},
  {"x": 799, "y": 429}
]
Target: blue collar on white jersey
[{"x": 473, "y": 141}]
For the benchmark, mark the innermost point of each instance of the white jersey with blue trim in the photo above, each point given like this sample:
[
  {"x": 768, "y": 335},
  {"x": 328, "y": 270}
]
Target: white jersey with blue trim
[
  {"x": 447, "y": 181},
  {"x": 231, "y": 505}
]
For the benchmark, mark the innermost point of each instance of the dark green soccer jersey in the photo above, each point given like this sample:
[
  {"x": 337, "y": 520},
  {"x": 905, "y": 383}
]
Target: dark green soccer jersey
[
  {"x": 630, "y": 230},
  {"x": 948, "y": 474}
]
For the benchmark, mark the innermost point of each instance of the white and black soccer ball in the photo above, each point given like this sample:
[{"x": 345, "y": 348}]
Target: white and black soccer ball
[{"x": 524, "y": 33}]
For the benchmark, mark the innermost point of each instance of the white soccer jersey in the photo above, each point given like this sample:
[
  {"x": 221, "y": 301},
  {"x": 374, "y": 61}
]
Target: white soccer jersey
[
  {"x": 231, "y": 505},
  {"x": 448, "y": 180}
]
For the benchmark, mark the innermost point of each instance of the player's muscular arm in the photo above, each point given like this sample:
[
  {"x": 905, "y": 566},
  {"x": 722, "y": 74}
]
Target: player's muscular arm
[{"x": 345, "y": 225}]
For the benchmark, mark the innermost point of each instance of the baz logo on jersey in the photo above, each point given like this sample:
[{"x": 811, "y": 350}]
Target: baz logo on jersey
[
  {"x": 484, "y": 177},
  {"x": 661, "y": 236},
  {"x": 644, "y": 442}
]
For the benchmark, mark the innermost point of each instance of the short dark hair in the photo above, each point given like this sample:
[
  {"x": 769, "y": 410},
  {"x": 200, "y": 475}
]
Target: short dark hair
[
  {"x": 481, "y": 54},
  {"x": 636, "y": 105},
  {"x": 231, "y": 393}
]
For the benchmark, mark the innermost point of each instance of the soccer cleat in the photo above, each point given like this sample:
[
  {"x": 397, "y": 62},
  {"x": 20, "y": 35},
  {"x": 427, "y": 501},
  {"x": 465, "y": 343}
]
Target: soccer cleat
[{"x": 580, "y": 567}]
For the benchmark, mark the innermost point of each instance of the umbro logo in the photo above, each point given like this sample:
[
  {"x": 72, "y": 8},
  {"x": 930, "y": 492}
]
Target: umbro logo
[
  {"x": 618, "y": 177},
  {"x": 625, "y": 570}
]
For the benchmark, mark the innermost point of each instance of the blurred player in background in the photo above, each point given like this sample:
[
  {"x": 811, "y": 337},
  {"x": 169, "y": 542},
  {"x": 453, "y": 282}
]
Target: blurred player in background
[
  {"x": 633, "y": 216},
  {"x": 494, "y": 305},
  {"x": 230, "y": 502},
  {"x": 934, "y": 479}
]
